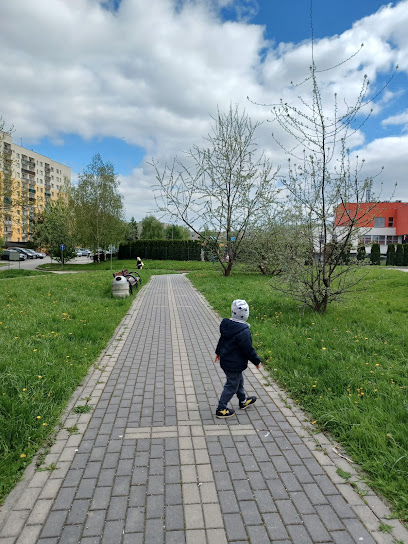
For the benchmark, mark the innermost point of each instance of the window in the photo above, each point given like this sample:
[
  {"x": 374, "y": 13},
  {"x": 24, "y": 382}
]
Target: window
[
  {"x": 379, "y": 222},
  {"x": 392, "y": 240},
  {"x": 381, "y": 240},
  {"x": 390, "y": 221},
  {"x": 40, "y": 163},
  {"x": 367, "y": 240}
]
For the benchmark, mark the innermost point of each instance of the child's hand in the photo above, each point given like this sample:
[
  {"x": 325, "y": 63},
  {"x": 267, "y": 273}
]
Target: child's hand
[
  {"x": 258, "y": 366},
  {"x": 217, "y": 359}
]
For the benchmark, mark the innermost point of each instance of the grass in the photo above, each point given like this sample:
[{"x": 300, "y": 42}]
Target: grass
[
  {"x": 12, "y": 273},
  {"x": 149, "y": 265},
  {"x": 348, "y": 368},
  {"x": 52, "y": 329}
]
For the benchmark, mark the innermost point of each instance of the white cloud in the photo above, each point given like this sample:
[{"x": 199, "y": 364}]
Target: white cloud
[{"x": 152, "y": 74}]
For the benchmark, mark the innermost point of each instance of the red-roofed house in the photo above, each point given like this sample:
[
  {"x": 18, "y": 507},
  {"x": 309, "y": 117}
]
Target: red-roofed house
[{"x": 384, "y": 222}]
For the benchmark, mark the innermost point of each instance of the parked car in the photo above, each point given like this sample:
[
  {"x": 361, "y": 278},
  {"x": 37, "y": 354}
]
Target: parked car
[
  {"x": 85, "y": 252},
  {"x": 32, "y": 252},
  {"x": 41, "y": 255},
  {"x": 5, "y": 256},
  {"x": 25, "y": 252}
]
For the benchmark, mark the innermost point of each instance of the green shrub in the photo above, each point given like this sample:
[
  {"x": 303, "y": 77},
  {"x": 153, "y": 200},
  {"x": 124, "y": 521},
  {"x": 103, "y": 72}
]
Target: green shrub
[
  {"x": 405, "y": 259},
  {"x": 375, "y": 256},
  {"x": 162, "y": 250},
  {"x": 390, "y": 255},
  {"x": 399, "y": 255},
  {"x": 361, "y": 253}
]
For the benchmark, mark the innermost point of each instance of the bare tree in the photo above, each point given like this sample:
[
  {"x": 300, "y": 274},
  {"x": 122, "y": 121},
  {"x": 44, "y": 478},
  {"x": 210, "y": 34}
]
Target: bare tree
[
  {"x": 225, "y": 187},
  {"x": 320, "y": 184}
]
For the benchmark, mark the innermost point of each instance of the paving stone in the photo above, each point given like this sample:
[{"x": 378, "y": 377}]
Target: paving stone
[
  {"x": 174, "y": 518},
  {"x": 95, "y": 522},
  {"x": 234, "y": 527}
]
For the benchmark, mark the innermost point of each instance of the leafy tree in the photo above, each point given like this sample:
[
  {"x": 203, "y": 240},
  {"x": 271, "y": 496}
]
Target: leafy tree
[
  {"x": 375, "y": 255},
  {"x": 132, "y": 230},
  {"x": 227, "y": 185},
  {"x": 320, "y": 183},
  {"x": 399, "y": 255},
  {"x": 98, "y": 206},
  {"x": 390, "y": 255},
  {"x": 56, "y": 226},
  {"x": 152, "y": 229},
  {"x": 176, "y": 232}
]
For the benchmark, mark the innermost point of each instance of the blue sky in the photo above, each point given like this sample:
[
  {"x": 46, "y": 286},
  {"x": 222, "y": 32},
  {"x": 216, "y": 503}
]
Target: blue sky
[{"x": 134, "y": 83}]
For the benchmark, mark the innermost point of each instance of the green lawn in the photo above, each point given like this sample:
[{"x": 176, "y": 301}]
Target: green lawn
[{"x": 348, "y": 368}]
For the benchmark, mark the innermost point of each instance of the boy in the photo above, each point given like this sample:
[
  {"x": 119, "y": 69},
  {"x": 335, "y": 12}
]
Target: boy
[{"x": 233, "y": 351}]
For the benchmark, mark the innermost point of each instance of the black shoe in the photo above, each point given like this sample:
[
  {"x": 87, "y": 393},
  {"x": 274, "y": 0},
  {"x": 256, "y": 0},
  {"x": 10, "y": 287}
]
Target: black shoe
[
  {"x": 249, "y": 400},
  {"x": 222, "y": 414}
]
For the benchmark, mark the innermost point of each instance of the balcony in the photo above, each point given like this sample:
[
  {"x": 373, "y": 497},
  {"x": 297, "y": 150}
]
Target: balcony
[{"x": 28, "y": 172}]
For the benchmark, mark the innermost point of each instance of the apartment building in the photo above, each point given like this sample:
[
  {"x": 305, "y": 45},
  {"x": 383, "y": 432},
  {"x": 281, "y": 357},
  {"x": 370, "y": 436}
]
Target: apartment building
[
  {"x": 383, "y": 222},
  {"x": 28, "y": 181}
]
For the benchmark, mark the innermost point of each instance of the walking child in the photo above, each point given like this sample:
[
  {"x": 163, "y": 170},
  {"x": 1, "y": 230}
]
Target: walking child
[{"x": 233, "y": 351}]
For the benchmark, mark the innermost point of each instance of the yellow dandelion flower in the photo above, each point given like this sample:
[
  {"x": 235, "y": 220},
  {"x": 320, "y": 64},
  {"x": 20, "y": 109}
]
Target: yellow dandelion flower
[
  {"x": 314, "y": 385},
  {"x": 23, "y": 455},
  {"x": 313, "y": 422},
  {"x": 39, "y": 377},
  {"x": 38, "y": 417},
  {"x": 24, "y": 389},
  {"x": 377, "y": 364},
  {"x": 34, "y": 350},
  {"x": 44, "y": 424},
  {"x": 323, "y": 348}
]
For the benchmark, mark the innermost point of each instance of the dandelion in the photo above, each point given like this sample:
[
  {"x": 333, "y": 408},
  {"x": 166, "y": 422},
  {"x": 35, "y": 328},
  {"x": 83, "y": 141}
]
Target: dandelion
[
  {"x": 314, "y": 385},
  {"x": 23, "y": 455},
  {"x": 323, "y": 348},
  {"x": 313, "y": 422},
  {"x": 39, "y": 377},
  {"x": 377, "y": 364},
  {"x": 44, "y": 424},
  {"x": 24, "y": 389},
  {"x": 38, "y": 417},
  {"x": 34, "y": 350}
]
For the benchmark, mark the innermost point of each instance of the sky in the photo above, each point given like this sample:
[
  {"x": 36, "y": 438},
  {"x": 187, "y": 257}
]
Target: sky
[{"x": 138, "y": 80}]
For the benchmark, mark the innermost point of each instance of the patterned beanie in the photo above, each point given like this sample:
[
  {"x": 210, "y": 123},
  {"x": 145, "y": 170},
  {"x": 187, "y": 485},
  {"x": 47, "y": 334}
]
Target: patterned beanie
[{"x": 240, "y": 310}]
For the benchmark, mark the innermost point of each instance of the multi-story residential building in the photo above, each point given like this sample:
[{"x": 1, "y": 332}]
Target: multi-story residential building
[
  {"x": 28, "y": 181},
  {"x": 383, "y": 222}
]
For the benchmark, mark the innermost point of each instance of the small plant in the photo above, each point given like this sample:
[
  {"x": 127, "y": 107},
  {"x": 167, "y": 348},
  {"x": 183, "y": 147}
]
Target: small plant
[
  {"x": 73, "y": 430},
  {"x": 360, "y": 492},
  {"x": 83, "y": 409},
  {"x": 385, "y": 528},
  {"x": 50, "y": 468},
  {"x": 343, "y": 474}
]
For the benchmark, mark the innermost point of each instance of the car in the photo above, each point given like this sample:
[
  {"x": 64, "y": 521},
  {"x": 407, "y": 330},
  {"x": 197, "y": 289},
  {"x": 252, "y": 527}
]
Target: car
[
  {"x": 5, "y": 256},
  {"x": 41, "y": 255},
  {"x": 25, "y": 252},
  {"x": 85, "y": 252},
  {"x": 32, "y": 252}
]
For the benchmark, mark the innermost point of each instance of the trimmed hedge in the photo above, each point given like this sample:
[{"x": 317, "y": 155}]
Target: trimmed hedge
[
  {"x": 375, "y": 256},
  {"x": 161, "y": 250}
]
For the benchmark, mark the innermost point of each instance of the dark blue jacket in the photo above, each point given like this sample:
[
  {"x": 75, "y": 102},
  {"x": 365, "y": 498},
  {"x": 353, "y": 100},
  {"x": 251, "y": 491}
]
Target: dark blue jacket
[{"x": 235, "y": 346}]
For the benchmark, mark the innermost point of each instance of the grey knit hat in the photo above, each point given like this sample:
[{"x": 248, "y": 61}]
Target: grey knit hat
[{"x": 239, "y": 310}]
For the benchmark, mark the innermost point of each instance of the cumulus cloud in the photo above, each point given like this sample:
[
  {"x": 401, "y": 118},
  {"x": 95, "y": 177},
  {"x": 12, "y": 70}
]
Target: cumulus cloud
[{"x": 155, "y": 74}]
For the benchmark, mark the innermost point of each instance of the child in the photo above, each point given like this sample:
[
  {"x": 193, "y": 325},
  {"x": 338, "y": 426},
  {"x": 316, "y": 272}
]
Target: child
[
  {"x": 233, "y": 351},
  {"x": 139, "y": 263}
]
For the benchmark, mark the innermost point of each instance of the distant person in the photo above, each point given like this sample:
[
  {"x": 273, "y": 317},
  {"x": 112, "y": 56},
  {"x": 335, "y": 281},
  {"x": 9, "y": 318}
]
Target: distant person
[
  {"x": 139, "y": 263},
  {"x": 233, "y": 351}
]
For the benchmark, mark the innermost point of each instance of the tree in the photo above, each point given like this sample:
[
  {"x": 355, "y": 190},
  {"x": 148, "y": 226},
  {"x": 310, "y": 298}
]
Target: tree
[
  {"x": 227, "y": 186},
  {"x": 152, "y": 229},
  {"x": 132, "y": 230},
  {"x": 375, "y": 255},
  {"x": 399, "y": 255},
  {"x": 176, "y": 232},
  {"x": 390, "y": 255},
  {"x": 54, "y": 227},
  {"x": 98, "y": 206},
  {"x": 405, "y": 258},
  {"x": 320, "y": 183}
]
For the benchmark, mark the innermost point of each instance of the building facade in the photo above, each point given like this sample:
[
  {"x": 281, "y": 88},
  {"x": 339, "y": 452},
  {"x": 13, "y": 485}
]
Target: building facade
[
  {"x": 28, "y": 181},
  {"x": 383, "y": 222}
]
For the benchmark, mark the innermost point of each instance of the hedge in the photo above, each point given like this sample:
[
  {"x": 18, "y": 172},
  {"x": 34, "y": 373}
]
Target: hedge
[{"x": 161, "y": 250}]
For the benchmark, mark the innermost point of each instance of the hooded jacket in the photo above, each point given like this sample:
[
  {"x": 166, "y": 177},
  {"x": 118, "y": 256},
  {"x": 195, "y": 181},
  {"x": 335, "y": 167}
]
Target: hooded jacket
[{"x": 235, "y": 346}]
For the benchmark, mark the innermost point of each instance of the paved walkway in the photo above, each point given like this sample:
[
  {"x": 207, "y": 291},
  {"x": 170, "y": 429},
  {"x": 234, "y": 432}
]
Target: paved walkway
[{"x": 151, "y": 463}]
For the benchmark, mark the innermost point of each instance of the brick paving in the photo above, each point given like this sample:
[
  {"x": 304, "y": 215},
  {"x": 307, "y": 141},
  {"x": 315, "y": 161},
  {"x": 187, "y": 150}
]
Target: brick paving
[{"x": 151, "y": 463}]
